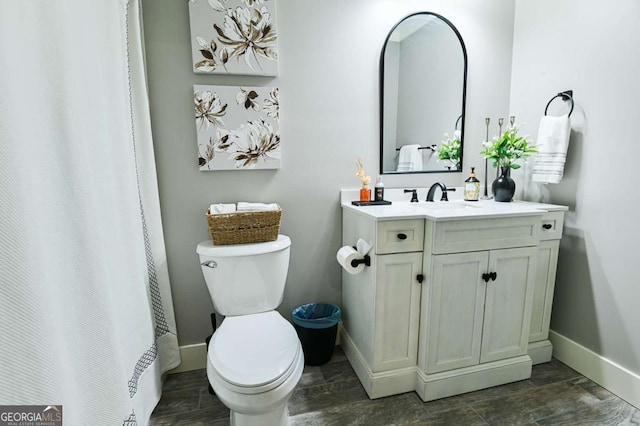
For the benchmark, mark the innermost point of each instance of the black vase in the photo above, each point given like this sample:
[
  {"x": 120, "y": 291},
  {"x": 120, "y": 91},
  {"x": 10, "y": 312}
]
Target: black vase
[{"x": 504, "y": 187}]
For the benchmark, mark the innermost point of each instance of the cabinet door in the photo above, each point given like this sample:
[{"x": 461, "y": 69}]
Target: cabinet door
[
  {"x": 455, "y": 301},
  {"x": 543, "y": 292},
  {"x": 507, "y": 313},
  {"x": 397, "y": 311}
]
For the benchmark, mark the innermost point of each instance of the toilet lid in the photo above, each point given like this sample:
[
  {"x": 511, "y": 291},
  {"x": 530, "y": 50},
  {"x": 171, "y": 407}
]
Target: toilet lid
[
  {"x": 254, "y": 350},
  {"x": 207, "y": 248}
]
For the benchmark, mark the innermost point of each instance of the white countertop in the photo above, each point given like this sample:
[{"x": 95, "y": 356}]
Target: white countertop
[{"x": 445, "y": 210}]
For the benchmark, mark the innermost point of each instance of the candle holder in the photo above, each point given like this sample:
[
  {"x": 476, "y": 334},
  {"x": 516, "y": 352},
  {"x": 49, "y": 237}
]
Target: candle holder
[
  {"x": 485, "y": 194},
  {"x": 500, "y": 123}
]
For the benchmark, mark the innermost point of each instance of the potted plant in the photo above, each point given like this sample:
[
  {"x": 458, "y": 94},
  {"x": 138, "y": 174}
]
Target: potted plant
[
  {"x": 449, "y": 149},
  {"x": 505, "y": 151}
]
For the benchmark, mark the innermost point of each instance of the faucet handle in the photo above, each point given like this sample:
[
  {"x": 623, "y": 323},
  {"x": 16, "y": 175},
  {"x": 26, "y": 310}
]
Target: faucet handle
[
  {"x": 414, "y": 194},
  {"x": 444, "y": 194}
]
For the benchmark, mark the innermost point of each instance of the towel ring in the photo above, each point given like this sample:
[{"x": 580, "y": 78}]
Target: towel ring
[{"x": 567, "y": 95}]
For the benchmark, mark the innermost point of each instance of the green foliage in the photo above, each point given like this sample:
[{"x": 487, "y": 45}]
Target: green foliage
[
  {"x": 450, "y": 149},
  {"x": 508, "y": 148}
]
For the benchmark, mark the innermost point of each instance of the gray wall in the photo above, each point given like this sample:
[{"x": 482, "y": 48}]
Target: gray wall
[
  {"x": 329, "y": 55},
  {"x": 591, "y": 47}
]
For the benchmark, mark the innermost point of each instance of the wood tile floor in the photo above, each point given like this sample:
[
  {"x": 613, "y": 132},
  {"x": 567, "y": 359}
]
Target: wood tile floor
[{"x": 332, "y": 395}]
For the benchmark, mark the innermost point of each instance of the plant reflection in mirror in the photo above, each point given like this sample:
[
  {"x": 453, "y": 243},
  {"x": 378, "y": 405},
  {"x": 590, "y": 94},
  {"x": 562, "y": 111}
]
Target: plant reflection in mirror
[{"x": 449, "y": 150}]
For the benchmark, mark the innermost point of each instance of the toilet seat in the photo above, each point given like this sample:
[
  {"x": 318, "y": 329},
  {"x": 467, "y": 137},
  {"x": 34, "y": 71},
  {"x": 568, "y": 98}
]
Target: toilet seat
[{"x": 254, "y": 353}]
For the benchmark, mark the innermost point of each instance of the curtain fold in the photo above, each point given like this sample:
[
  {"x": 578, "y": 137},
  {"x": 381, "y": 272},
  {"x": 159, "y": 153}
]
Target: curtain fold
[{"x": 86, "y": 316}]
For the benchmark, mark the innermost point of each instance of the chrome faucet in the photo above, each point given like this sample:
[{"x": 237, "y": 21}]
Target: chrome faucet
[{"x": 432, "y": 191}]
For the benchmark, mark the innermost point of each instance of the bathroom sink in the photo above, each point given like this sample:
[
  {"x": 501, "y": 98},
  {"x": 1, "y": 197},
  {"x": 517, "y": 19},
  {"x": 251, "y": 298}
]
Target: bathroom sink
[{"x": 443, "y": 205}]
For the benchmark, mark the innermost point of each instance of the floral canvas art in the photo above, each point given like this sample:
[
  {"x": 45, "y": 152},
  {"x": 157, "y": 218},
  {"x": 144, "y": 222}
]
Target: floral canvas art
[
  {"x": 234, "y": 37},
  {"x": 237, "y": 127}
]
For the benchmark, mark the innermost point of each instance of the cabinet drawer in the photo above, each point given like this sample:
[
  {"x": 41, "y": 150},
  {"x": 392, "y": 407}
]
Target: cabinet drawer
[
  {"x": 458, "y": 236},
  {"x": 551, "y": 228},
  {"x": 400, "y": 236}
]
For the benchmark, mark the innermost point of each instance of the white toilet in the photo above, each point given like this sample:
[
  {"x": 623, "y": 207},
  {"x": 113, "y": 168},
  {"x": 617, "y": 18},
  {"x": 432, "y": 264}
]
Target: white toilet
[{"x": 255, "y": 359}]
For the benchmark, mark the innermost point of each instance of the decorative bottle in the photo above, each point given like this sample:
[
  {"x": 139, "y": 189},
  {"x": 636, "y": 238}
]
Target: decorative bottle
[
  {"x": 365, "y": 193},
  {"x": 472, "y": 187},
  {"x": 379, "y": 190}
]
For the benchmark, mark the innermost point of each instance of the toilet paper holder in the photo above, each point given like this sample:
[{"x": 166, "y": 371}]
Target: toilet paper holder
[{"x": 366, "y": 260}]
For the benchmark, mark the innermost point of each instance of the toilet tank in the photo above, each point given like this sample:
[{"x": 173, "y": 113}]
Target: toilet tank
[{"x": 245, "y": 278}]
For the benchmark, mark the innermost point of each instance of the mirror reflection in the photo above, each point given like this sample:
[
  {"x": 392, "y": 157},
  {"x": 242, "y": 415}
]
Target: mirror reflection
[{"x": 423, "y": 69}]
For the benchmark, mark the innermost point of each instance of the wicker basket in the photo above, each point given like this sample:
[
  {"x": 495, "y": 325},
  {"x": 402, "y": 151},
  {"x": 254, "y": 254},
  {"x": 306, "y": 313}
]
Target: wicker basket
[{"x": 244, "y": 227}]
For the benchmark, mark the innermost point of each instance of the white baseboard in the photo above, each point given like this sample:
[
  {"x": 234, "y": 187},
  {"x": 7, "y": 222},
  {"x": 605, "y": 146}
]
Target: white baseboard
[
  {"x": 608, "y": 374},
  {"x": 194, "y": 357},
  {"x": 540, "y": 352}
]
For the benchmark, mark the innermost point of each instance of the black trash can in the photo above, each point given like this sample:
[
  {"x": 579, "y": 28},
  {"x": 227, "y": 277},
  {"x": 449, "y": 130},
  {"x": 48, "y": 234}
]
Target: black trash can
[{"x": 317, "y": 325}]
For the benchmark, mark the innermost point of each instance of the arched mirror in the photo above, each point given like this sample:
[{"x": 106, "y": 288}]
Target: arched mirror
[{"x": 423, "y": 75}]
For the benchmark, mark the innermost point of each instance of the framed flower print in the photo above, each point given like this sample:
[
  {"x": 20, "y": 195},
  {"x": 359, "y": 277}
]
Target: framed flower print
[
  {"x": 237, "y": 127},
  {"x": 234, "y": 37}
]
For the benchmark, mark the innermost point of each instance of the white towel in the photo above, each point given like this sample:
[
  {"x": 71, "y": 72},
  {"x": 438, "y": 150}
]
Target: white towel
[
  {"x": 257, "y": 207},
  {"x": 553, "y": 141},
  {"x": 409, "y": 159},
  {"x": 222, "y": 208}
]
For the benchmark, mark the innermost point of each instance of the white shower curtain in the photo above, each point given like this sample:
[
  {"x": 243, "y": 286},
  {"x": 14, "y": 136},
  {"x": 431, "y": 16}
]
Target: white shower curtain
[{"x": 86, "y": 317}]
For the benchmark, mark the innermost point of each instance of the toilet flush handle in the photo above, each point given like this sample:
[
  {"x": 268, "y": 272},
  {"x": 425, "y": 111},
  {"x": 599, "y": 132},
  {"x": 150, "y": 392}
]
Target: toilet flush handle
[{"x": 209, "y": 264}]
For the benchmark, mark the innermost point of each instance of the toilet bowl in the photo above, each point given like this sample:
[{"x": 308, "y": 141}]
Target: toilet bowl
[
  {"x": 254, "y": 363},
  {"x": 255, "y": 358}
]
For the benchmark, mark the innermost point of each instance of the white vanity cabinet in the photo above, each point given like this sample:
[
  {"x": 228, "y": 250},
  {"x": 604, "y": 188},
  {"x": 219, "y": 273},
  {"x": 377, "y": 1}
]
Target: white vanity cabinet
[
  {"x": 397, "y": 311},
  {"x": 450, "y": 304},
  {"x": 471, "y": 321},
  {"x": 476, "y": 303},
  {"x": 381, "y": 305},
  {"x": 550, "y": 233},
  {"x": 397, "y": 264}
]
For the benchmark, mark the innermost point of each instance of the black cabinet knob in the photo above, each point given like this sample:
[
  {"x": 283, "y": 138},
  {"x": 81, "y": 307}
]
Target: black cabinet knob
[
  {"x": 402, "y": 236},
  {"x": 489, "y": 276},
  {"x": 420, "y": 278},
  {"x": 547, "y": 226}
]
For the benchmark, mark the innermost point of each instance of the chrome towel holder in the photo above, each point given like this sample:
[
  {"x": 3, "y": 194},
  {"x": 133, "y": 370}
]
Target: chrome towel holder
[{"x": 567, "y": 95}]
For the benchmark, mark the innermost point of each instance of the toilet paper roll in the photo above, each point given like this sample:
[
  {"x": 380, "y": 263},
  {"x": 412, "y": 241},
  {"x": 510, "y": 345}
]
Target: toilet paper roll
[
  {"x": 345, "y": 255},
  {"x": 362, "y": 247}
]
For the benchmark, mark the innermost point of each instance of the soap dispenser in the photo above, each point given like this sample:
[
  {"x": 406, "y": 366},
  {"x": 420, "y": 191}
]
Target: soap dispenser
[
  {"x": 472, "y": 187},
  {"x": 379, "y": 190}
]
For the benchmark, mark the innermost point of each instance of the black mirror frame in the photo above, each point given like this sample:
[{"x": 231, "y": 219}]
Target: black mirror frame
[{"x": 464, "y": 94}]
